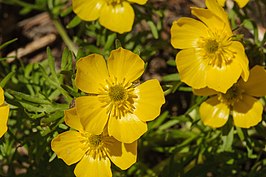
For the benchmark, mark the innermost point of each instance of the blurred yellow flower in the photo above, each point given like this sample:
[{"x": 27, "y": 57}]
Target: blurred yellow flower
[
  {"x": 239, "y": 101},
  {"x": 115, "y": 15},
  {"x": 241, "y": 3},
  {"x": 4, "y": 111},
  {"x": 210, "y": 58},
  {"x": 114, "y": 97},
  {"x": 92, "y": 152}
]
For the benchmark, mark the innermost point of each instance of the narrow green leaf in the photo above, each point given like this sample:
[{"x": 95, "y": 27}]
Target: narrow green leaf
[
  {"x": 51, "y": 63},
  {"x": 74, "y": 22},
  {"x": 6, "y": 79},
  {"x": 7, "y": 43},
  {"x": 153, "y": 29},
  {"x": 110, "y": 41}
]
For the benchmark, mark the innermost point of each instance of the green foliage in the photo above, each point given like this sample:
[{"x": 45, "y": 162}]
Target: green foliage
[{"x": 176, "y": 144}]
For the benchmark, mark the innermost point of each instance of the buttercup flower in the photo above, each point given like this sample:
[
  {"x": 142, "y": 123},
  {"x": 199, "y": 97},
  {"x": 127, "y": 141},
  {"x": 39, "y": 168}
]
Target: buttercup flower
[
  {"x": 241, "y": 3},
  {"x": 114, "y": 97},
  {"x": 4, "y": 110},
  {"x": 239, "y": 101},
  {"x": 209, "y": 57},
  {"x": 92, "y": 152},
  {"x": 115, "y": 15}
]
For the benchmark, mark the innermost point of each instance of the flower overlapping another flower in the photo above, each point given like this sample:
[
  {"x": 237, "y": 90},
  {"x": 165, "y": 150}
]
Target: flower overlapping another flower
[
  {"x": 215, "y": 65},
  {"x": 111, "y": 117}
]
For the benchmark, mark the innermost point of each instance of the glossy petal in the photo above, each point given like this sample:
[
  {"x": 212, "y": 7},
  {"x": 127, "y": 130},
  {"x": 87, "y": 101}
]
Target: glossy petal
[
  {"x": 247, "y": 112},
  {"x": 91, "y": 73},
  {"x": 141, "y": 2},
  {"x": 186, "y": 31},
  {"x": 221, "y": 79},
  {"x": 121, "y": 154},
  {"x": 204, "y": 92},
  {"x": 127, "y": 129},
  {"x": 242, "y": 3},
  {"x": 118, "y": 18},
  {"x": 2, "y": 98},
  {"x": 150, "y": 99},
  {"x": 221, "y": 2},
  {"x": 216, "y": 9},
  {"x": 4, "y": 111},
  {"x": 93, "y": 167},
  {"x": 124, "y": 64},
  {"x": 88, "y": 10},
  {"x": 256, "y": 84},
  {"x": 241, "y": 58},
  {"x": 69, "y": 147},
  {"x": 72, "y": 119},
  {"x": 215, "y": 23},
  {"x": 214, "y": 113},
  {"x": 92, "y": 114},
  {"x": 191, "y": 68}
]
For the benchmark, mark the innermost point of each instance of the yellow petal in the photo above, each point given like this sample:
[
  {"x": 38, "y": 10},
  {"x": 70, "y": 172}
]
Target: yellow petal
[
  {"x": 69, "y": 147},
  {"x": 88, "y": 10},
  {"x": 2, "y": 98},
  {"x": 192, "y": 69},
  {"x": 93, "y": 167},
  {"x": 242, "y": 3},
  {"x": 241, "y": 57},
  {"x": 256, "y": 84},
  {"x": 124, "y": 64},
  {"x": 72, "y": 119},
  {"x": 118, "y": 18},
  {"x": 141, "y": 2},
  {"x": 91, "y": 73},
  {"x": 214, "y": 113},
  {"x": 247, "y": 112},
  {"x": 4, "y": 111},
  {"x": 221, "y": 2},
  {"x": 204, "y": 92},
  {"x": 186, "y": 31},
  {"x": 150, "y": 99},
  {"x": 126, "y": 129},
  {"x": 216, "y": 9},
  {"x": 92, "y": 114},
  {"x": 121, "y": 154},
  {"x": 221, "y": 79},
  {"x": 214, "y": 23}
]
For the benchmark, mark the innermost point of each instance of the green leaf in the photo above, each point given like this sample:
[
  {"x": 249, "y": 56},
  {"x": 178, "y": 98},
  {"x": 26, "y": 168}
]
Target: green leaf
[
  {"x": 153, "y": 29},
  {"x": 171, "y": 77},
  {"x": 6, "y": 79},
  {"x": 110, "y": 40},
  {"x": 74, "y": 22},
  {"x": 7, "y": 43}
]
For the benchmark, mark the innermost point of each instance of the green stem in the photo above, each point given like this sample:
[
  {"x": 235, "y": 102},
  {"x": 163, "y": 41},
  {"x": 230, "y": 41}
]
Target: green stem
[{"x": 65, "y": 37}]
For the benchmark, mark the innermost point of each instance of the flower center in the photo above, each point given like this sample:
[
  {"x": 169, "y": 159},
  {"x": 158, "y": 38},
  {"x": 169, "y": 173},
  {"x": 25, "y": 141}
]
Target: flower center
[
  {"x": 117, "y": 93},
  {"x": 232, "y": 96},
  {"x": 94, "y": 146},
  {"x": 118, "y": 97},
  {"x": 214, "y": 49},
  {"x": 114, "y": 2},
  {"x": 95, "y": 140},
  {"x": 211, "y": 46}
]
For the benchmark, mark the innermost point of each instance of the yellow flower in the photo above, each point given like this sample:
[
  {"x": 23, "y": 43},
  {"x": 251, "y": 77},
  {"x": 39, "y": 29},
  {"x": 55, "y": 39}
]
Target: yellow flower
[
  {"x": 4, "y": 110},
  {"x": 115, "y": 15},
  {"x": 114, "y": 98},
  {"x": 210, "y": 58},
  {"x": 241, "y": 3},
  {"x": 92, "y": 152},
  {"x": 239, "y": 101}
]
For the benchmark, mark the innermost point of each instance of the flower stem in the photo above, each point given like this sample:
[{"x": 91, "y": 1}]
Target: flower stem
[{"x": 65, "y": 37}]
